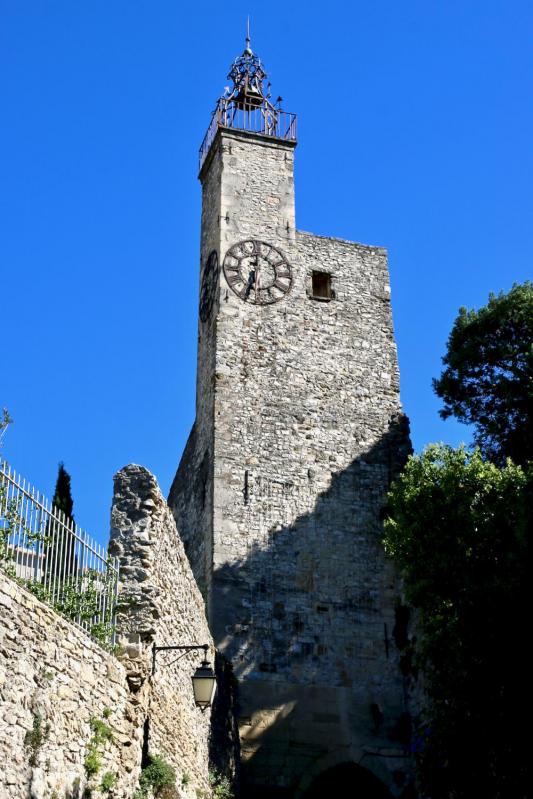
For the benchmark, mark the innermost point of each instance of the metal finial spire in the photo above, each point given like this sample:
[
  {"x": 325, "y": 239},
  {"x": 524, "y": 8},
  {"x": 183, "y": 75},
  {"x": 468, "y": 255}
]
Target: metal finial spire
[{"x": 248, "y": 49}]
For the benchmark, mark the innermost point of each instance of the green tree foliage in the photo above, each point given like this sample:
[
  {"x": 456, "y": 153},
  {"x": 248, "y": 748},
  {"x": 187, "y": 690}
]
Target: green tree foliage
[
  {"x": 5, "y": 421},
  {"x": 457, "y": 528},
  {"x": 12, "y": 518},
  {"x": 488, "y": 379}
]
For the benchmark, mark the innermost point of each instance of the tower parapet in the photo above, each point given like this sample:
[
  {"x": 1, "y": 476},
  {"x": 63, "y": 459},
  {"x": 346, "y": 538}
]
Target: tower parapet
[{"x": 247, "y": 104}]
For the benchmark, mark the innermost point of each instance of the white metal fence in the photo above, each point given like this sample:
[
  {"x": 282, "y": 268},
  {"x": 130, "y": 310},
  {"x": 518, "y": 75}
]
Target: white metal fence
[{"x": 56, "y": 560}]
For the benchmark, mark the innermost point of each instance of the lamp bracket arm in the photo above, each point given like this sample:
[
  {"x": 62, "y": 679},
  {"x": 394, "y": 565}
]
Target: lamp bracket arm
[{"x": 185, "y": 648}]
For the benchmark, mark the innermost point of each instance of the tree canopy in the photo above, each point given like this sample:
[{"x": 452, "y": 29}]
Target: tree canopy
[
  {"x": 457, "y": 528},
  {"x": 488, "y": 379}
]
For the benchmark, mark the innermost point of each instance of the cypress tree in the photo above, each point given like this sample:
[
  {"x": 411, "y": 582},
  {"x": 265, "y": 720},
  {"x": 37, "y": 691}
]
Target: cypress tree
[
  {"x": 62, "y": 495},
  {"x": 60, "y": 557}
]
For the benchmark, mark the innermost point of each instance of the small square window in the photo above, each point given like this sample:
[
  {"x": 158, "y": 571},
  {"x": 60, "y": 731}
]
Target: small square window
[{"x": 321, "y": 286}]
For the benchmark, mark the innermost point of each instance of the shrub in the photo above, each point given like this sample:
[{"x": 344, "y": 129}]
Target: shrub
[
  {"x": 220, "y": 786},
  {"x": 35, "y": 737},
  {"x": 157, "y": 775},
  {"x": 92, "y": 763},
  {"x": 109, "y": 780}
]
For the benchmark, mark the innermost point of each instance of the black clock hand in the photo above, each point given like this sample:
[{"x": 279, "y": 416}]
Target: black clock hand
[
  {"x": 257, "y": 277},
  {"x": 251, "y": 281}
]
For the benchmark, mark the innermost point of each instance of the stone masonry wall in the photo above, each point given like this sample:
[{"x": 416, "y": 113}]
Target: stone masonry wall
[
  {"x": 308, "y": 435},
  {"x": 54, "y": 679},
  {"x": 191, "y": 494},
  {"x": 51, "y": 670}
]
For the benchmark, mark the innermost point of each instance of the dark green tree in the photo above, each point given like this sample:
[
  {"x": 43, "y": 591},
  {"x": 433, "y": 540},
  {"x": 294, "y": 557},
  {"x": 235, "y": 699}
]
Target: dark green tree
[
  {"x": 488, "y": 379},
  {"x": 62, "y": 495},
  {"x": 457, "y": 529},
  {"x": 60, "y": 557}
]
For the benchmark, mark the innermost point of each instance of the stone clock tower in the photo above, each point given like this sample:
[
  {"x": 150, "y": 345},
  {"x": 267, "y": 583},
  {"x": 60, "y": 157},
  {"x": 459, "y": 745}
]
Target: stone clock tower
[{"x": 280, "y": 490}]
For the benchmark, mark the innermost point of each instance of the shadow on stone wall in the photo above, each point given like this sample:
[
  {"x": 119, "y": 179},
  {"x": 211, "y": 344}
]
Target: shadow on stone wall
[
  {"x": 224, "y": 743},
  {"x": 312, "y": 634}
]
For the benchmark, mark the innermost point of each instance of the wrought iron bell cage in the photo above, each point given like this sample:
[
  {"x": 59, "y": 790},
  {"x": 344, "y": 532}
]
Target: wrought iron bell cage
[
  {"x": 247, "y": 105},
  {"x": 248, "y": 78}
]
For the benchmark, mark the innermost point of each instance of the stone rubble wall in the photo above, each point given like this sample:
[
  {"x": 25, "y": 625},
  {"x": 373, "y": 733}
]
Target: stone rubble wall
[
  {"x": 50, "y": 668},
  {"x": 53, "y": 676}
]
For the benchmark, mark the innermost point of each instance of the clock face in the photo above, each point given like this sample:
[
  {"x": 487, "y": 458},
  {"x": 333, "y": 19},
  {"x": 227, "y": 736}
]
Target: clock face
[
  {"x": 257, "y": 272},
  {"x": 209, "y": 286}
]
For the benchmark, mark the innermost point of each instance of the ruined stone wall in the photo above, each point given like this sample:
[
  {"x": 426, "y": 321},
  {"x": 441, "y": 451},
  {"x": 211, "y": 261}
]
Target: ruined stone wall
[
  {"x": 54, "y": 676},
  {"x": 160, "y": 603},
  {"x": 306, "y": 434}
]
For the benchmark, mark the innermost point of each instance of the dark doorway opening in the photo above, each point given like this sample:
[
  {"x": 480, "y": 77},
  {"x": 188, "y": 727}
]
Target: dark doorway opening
[{"x": 347, "y": 780}]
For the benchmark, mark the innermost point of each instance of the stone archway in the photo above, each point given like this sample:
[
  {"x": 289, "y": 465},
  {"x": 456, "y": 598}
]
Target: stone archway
[{"x": 347, "y": 780}]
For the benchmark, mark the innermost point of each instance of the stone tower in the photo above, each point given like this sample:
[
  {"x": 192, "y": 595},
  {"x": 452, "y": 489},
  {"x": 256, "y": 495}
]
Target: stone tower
[{"x": 280, "y": 490}]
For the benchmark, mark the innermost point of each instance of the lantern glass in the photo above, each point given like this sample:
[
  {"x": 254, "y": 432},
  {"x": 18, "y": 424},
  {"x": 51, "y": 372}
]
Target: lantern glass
[{"x": 204, "y": 685}]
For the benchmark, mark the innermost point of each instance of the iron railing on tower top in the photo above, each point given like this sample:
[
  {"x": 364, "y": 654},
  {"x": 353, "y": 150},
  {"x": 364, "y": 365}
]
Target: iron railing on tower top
[
  {"x": 263, "y": 119},
  {"x": 53, "y": 558}
]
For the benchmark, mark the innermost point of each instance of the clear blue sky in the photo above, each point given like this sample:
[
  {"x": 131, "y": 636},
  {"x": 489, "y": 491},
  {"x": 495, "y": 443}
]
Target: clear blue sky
[{"x": 415, "y": 133}]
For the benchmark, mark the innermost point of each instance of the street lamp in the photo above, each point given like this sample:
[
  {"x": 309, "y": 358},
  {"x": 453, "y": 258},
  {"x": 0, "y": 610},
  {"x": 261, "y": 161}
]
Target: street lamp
[{"x": 203, "y": 680}]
